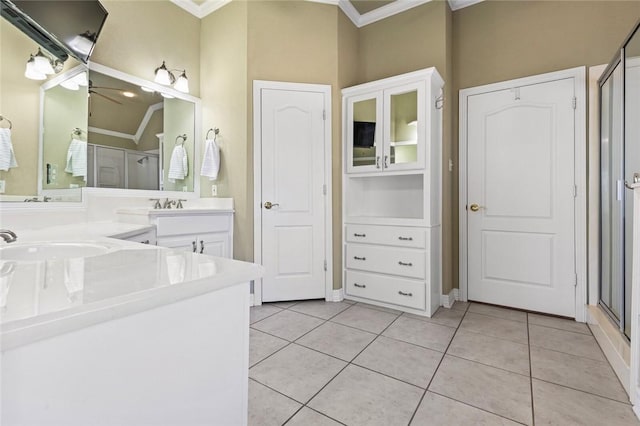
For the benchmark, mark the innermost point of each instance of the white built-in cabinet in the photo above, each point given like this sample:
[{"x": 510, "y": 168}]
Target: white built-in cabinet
[
  {"x": 392, "y": 139},
  {"x": 206, "y": 231}
]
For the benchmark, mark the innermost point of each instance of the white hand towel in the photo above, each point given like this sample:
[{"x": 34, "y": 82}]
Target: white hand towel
[
  {"x": 77, "y": 158},
  {"x": 179, "y": 164},
  {"x": 7, "y": 157},
  {"x": 211, "y": 160}
]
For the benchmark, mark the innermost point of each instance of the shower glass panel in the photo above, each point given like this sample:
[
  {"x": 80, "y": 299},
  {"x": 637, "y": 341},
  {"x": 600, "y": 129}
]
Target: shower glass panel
[
  {"x": 631, "y": 156},
  {"x": 611, "y": 195}
]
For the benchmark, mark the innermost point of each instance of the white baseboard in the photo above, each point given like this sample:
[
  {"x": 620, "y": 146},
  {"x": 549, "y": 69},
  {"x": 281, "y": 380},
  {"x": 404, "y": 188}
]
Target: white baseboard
[
  {"x": 337, "y": 295},
  {"x": 447, "y": 300}
]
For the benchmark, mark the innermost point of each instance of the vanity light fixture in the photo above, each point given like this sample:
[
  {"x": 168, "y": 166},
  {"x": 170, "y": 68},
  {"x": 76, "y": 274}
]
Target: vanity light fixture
[
  {"x": 75, "y": 82},
  {"x": 40, "y": 65},
  {"x": 32, "y": 72},
  {"x": 163, "y": 75}
]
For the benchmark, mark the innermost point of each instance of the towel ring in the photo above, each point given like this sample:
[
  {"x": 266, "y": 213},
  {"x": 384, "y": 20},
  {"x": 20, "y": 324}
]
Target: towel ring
[
  {"x": 215, "y": 131},
  {"x": 77, "y": 131},
  {"x": 183, "y": 137},
  {"x": 10, "y": 123}
]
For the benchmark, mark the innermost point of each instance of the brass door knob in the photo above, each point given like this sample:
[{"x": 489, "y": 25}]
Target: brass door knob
[
  {"x": 269, "y": 204},
  {"x": 474, "y": 207}
]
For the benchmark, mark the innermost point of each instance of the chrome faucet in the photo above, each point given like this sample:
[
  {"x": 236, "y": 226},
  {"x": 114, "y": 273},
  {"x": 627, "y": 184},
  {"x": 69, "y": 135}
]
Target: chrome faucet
[
  {"x": 8, "y": 236},
  {"x": 168, "y": 203},
  {"x": 156, "y": 205}
]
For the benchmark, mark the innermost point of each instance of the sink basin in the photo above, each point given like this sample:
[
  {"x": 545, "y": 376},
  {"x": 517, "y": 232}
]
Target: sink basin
[{"x": 34, "y": 252}]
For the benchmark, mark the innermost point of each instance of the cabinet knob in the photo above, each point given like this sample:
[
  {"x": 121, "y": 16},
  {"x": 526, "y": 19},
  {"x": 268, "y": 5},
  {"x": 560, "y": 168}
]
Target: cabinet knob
[
  {"x": 201, "y": 246},
  {"x": 359, "y": 285},
  {"x": 359, "y": 258},
  {"x": 360, "y": 235},
  {"x": 377, "y": 162},
  {"x": 405, "y": 238},
  {"x": 401, "y": 263},
  {"x": 386, "y": 161},
  {"x": 402, "y": 293},
  {"x": 195, "y": 247}
]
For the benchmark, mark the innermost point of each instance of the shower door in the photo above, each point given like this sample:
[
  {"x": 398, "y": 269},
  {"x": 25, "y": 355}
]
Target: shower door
[{"x": 619, "y": 165}]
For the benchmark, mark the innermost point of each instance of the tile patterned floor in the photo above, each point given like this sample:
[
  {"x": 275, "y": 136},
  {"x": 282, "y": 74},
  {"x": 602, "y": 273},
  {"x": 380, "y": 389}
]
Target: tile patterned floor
[{"x": 322, "y": 363}]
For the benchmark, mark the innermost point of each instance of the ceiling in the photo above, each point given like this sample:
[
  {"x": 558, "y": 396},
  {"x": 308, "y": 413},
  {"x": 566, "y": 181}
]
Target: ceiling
[{"x": 361, "y": 12}]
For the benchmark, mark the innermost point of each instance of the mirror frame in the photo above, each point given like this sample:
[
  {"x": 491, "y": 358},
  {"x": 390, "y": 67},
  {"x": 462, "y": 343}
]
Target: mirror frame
[{"x": 92, "y": 66}]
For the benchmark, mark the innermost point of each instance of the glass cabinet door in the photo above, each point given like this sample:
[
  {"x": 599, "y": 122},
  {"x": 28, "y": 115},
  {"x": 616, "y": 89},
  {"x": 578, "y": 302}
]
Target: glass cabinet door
[
  {"x": 363, "y": 133},
  {"x": 404, "y": 135}
]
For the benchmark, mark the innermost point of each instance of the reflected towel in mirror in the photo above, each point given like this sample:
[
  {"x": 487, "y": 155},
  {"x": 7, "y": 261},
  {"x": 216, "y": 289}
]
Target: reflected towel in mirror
[
  {"x": 211, "y": 160},
  {"x": 77, "y": 159},
  {"x": 179, "y": 164},
  {"x": 7, "y": 156}
]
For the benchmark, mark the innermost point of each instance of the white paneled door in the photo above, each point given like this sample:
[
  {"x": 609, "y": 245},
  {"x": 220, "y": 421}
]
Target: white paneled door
[
  {"x": 520, "y": 197},
  {"x": 293, "y": 194}
]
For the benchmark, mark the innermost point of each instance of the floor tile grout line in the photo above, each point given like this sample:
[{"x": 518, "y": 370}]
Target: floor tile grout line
[
  {"x": 562, "y": 329},
  {"x": 437, "y": 368},
  {"x": 533, "y": 411},
  {"x": 278, "y": 392},
  {"x": 489, "y": 365},
  {"x": 604, "y": 360},
  {"x": 476, "y": 407},
  {"x": 494, "y": 337},
  {"x": 349, "y": 363},
  {"x": 583, "y": 391}
]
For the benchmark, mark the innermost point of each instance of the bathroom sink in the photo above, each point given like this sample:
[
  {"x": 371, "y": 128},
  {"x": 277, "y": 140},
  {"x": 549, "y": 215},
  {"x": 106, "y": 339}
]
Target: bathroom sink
[{"x": 34, "y": 252}]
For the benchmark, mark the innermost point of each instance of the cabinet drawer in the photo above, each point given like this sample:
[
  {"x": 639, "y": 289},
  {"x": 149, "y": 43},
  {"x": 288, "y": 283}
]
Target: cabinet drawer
[
  {"x": 387, "y": 260},
  {"x": 388, "y": 235},
  {"x": 398, "y": 291},
  {"x": 192, "y": 224}
]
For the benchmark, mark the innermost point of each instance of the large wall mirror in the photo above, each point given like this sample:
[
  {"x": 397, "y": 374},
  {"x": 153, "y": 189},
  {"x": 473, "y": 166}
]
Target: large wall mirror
[
  {"x": 92, "y": 127},
  {"x": 106, "y": 129}
]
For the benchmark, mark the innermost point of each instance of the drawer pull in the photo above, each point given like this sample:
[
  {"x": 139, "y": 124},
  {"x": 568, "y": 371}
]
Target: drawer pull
[
  {"x": 401, "y": 293},
  {"x": 405, "y": 238},
  {"x": 359, "y": 285},
  {"x": 401, "y": 263},
  {"x": 359, "y": 258},
  {"x": 360, "y": 235}
]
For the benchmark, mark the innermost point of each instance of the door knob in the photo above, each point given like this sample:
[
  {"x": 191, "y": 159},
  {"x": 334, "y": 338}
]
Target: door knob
[
  {"x": 474, "y": 207},
  {"x": 269, "y": 204}
]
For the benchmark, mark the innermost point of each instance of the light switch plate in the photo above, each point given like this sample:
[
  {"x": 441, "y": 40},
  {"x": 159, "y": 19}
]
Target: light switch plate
[{"x": 214, "y": 190}]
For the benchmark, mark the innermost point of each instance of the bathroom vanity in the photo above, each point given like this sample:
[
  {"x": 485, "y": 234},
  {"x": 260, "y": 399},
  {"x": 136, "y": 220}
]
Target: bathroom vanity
[{"x": 129, "y": 334}]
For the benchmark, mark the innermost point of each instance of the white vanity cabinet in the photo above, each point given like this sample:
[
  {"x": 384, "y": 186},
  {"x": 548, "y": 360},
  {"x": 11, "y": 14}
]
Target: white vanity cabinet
[
  {"x": 199, "y": 232},
  {"x": 392, "y": 140}
]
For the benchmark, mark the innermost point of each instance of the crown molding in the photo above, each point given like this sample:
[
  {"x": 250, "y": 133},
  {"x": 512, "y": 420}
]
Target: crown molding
[
  {"x": 201, "y": 10},
  {"x": 461, "y": 4},
  {"x": 398, "y": 6}
]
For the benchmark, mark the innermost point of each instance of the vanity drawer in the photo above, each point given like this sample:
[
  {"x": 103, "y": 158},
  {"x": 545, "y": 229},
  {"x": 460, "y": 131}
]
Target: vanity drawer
[
  {"x": 387, "y": 260},
  {"x": 388, "y": 235},
  {"x": 192, "y": 224},
  {"x": 398, "y": 291}
]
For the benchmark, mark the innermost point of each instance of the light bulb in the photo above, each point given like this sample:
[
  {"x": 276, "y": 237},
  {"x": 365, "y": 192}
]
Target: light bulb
[
  {"x": 163, "y": 75},
  {"x": 32, "y": 72},
  {"x": 42, "y": 63},
  {"x": 182, "y": 84}
]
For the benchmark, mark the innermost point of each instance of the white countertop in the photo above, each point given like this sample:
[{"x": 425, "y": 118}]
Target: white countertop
[{"x": 48, "y": 298}]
